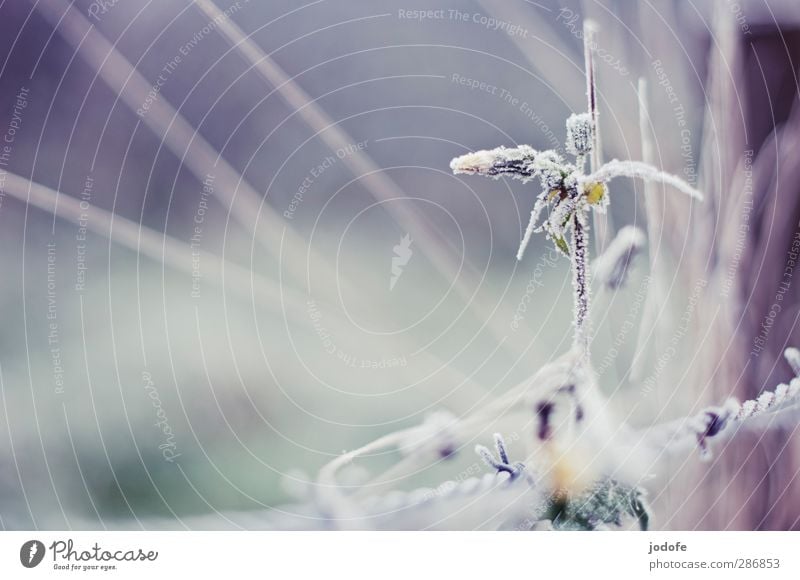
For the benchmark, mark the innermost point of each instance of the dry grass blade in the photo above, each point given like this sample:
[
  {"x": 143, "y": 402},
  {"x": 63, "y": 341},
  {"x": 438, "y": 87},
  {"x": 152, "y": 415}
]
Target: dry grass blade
[
  {"x": 240, "y": 198},
  {"x": 379, "y": 184},
  {"x": 155, "y": 245}
]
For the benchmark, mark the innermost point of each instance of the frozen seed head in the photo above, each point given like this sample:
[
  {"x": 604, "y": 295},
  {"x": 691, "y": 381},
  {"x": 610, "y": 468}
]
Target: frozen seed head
[
  {"x": 517, "y": 162},
  {"x": 580, "y": 134},
  {"x": 501, "y": 463}
]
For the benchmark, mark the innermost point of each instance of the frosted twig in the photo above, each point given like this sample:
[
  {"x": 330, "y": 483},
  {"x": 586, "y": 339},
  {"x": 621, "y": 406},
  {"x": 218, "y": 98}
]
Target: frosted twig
[
  {"x": 711, "y": 423},
  {"x": 500, "y": 445},
  {"x": 617, "y": 168},
  {"x": 602, "y": 223},
  {"x": 517, "y": 162},
  {"x": 501, "y": 463},
  {"x": 581, "y": 285},
  {"x": 526, "y": 238}
]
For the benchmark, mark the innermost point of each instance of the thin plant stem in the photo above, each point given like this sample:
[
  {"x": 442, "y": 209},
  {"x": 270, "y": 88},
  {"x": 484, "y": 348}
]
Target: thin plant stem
[
  {"x": 589, "y": 30},
  {"x": 595, "y": 160},
  {"x": 580, "y": 281},
  {"x": 580, "y": 239}
]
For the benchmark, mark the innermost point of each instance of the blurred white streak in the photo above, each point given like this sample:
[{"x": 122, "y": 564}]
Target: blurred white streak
[
  {"x": 461, "y": 390},
  {"x": 610, "y": 269},
  {"x": 155, "y": 245},
  {"x": 651, "y": 326}
]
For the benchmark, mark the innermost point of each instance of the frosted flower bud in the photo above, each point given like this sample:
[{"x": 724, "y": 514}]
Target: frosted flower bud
[
  {"x": 579, "y": 134},
  {"x": 517, "y": 162}
]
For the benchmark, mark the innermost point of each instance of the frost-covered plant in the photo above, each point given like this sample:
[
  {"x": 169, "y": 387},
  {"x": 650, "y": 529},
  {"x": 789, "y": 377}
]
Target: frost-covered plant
[
  {"x": 583, "y": 468},
  {"x": 567, "y": 192},
  {"x": 501, "y": 463}
]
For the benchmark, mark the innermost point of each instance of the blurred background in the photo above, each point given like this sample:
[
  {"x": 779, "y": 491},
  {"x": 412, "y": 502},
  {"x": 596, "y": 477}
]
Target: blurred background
[{"x": 227, "y": 259}]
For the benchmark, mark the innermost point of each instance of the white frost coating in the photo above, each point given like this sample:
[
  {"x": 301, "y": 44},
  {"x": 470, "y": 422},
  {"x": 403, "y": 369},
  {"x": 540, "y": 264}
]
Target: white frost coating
[
  {"x": 579, "y": 134},
  {"x": 711, "y": 423},
  {"x": 765, "y": 401},
  {"x": 552, "y": 169},
  {"x": 478, "y": 161},
  {"x": 541, "y": 203},
  {"x": 558, "y": 223},
  {"x": 792, "y": 356},
  {"x": 747, "y": 409},
  {"x": 515, "y": 162},
  {"x": 611, "y": 268},
  {"x": 617, "y": 168},
  {"x": 794, "y": 388}
]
